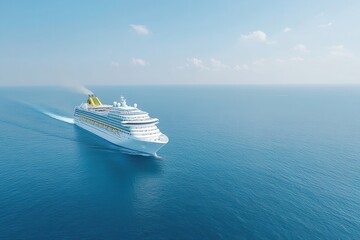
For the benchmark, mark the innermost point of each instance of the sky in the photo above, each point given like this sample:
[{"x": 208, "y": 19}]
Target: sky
[{"x": 154, "y": 42}]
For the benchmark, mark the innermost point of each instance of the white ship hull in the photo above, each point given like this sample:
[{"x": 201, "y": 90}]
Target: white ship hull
[{"x": 136, "y": 145}]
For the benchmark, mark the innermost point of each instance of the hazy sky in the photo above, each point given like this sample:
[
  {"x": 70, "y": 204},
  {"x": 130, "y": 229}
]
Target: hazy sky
[{"x": 179, "y": 42}]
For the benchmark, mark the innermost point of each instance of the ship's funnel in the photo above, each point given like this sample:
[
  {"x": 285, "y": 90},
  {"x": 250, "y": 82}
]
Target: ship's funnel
[{"x": 93, "y": 100}]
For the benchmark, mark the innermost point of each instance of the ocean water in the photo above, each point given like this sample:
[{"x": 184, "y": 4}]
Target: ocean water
[{"x": 243, "y": 162}]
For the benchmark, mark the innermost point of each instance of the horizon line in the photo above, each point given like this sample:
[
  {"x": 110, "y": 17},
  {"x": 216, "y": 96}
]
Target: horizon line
[{"x": 185, "y": 84}]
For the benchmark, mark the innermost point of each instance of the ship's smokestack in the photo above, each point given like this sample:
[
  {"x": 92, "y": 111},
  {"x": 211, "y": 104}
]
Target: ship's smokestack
[{"x": 93, "y": 100}]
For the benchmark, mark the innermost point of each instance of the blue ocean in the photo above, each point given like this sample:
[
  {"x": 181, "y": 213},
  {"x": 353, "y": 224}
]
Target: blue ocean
[{"x": 243, "y": 162}]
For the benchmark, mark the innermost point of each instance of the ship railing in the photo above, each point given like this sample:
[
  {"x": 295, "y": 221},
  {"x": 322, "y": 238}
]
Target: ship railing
[{"x": 150, "y": 120}]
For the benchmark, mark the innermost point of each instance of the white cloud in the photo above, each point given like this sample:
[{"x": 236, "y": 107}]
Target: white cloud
[
  {"x": 140, "y": 29},
  {"x": 197, "y": 63},
  {"x": 301, "y": 48},
  {"x": 217, "y": 64},
  {"x": 339, "y": 50},
  {"x": 296, "y": 59},
  {"x": 241, "y": 67},
  {"x": 287, "y": 29},
  {"x": 260, "y": 61},
  {"x": 138, "y": 62},
  {"x": 258, "y": 36},
  {"x": 326, "y": 25},
  {"x": 115, "y": 64},
  {"x": 213, "y": 65},
  {"x": 292, "y": 59}
]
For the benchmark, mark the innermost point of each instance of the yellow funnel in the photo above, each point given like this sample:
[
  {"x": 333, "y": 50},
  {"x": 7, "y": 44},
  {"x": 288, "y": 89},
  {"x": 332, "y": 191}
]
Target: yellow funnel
[{"x": 94, "y": 101}]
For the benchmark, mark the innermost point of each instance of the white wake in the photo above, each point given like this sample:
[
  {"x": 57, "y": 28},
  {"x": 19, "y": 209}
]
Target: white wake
[
  {"x": 58, "y": 117},
  {"x": 48, "y": 113}
]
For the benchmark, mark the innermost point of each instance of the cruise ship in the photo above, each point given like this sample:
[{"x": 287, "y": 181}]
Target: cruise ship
[{"x": 125, "y": 126}]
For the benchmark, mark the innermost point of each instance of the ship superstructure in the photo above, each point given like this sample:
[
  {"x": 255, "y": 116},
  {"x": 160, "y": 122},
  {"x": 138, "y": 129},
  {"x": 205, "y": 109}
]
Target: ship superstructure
[{"x": 123, "y": 125}]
